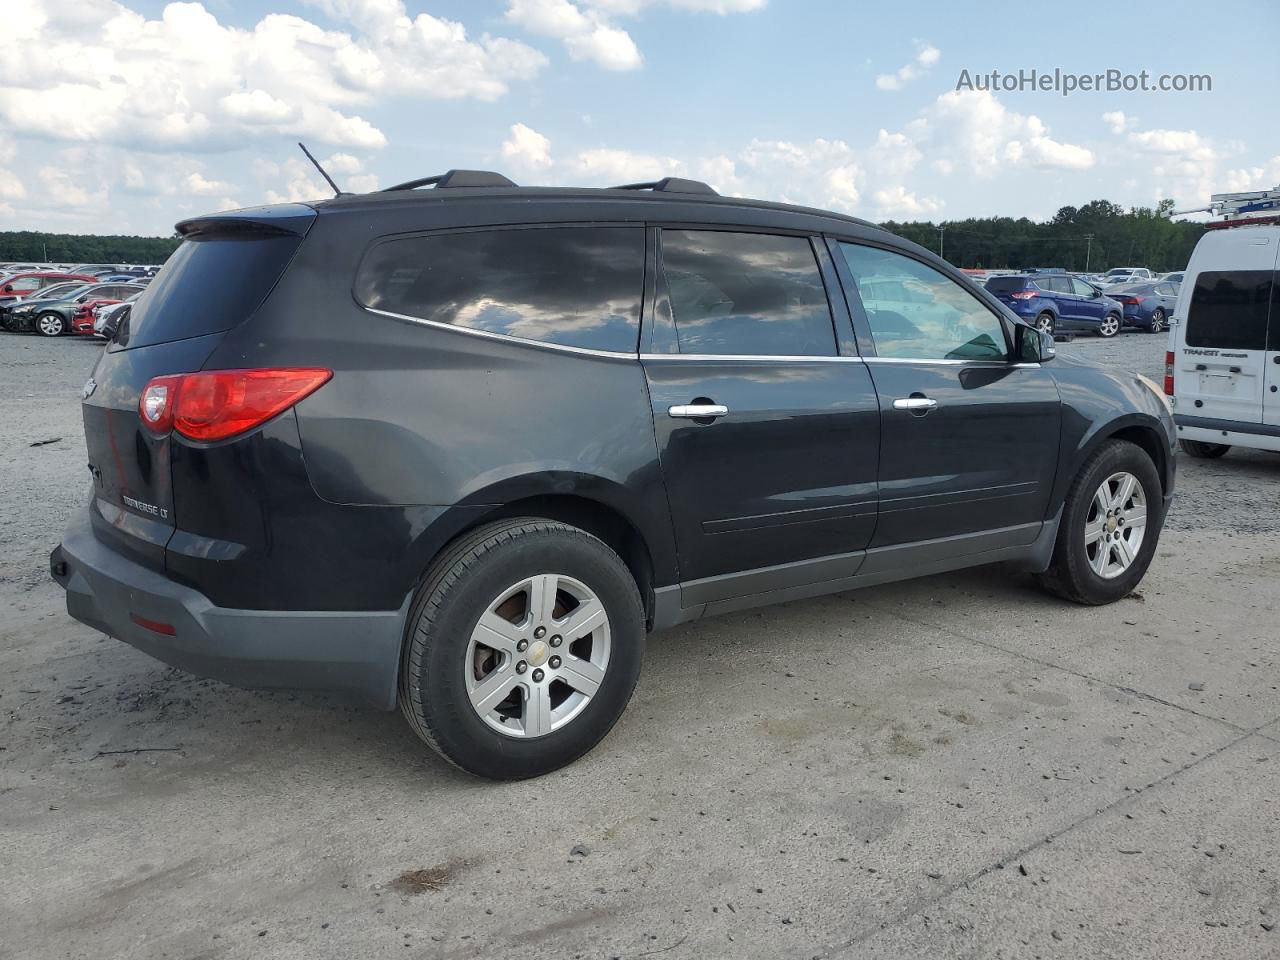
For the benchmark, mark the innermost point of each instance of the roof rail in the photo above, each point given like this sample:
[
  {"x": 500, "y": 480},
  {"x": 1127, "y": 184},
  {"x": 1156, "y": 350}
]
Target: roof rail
[
  {"x": 455, "y": 178},
  {"x": 670, "y": 185}
]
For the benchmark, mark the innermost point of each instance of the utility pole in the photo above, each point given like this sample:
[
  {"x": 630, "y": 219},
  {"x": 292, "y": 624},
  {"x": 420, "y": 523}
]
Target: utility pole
[
  {"x": 1088, "y": 250},
  {"x": 941, "y": 227}
]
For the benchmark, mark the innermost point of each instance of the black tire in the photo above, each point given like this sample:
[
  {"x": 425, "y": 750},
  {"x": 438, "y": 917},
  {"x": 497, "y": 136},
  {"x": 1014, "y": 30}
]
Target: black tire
[
  {"x": 458, "y": 587},
  {"x": 50, "y": 316},
  {"x": 1045, "y": 321},
  {"x": 1116, "y": 332},
  {"x": 1203, "y": 451},
  {"x": 1157, "y": 321},
  {"x": 1069, "y": 575}
]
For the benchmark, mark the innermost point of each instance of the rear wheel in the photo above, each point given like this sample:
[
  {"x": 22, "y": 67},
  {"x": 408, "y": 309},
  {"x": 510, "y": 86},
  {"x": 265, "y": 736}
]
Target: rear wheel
[
  {"x": 524, "y": 646},
  {"x": 50, "y": 324},
  {"x": 1203, "y": 451},
  {"x": 1110, "y": 526},
  {"x": 1045, "y": 322},
  {"x": 1110, "y": 325},
  {"x": 1157, "y": 320}
]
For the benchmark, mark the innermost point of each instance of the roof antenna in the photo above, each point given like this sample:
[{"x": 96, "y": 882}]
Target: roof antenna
[{"x": 336, "y": 191}]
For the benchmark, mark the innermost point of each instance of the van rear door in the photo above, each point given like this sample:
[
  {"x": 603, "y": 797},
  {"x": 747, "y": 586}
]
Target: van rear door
[
  {"x": 1220, "y": 363},
  {"x": 1271, "y": 377}
]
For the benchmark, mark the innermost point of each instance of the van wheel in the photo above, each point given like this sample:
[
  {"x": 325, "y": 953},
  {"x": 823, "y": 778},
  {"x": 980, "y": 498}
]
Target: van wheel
[
  {"x": 1110, "y": 325},
  {"x": 1157, "y": 320},
  {"x": 1044, "y": 322},
  {"x": 523, "y": 647},
  {"x": 1203, "y": 451},
  {"x": 50, "y": 324},
  {"x": 1110, "y": 526}
]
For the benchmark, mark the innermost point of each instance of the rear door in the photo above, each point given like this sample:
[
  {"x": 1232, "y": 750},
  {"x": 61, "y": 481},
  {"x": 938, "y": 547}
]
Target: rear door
[
  {"x": 1221, "y": 368},
  {"x": 1088, "y": 301},
  {"x": 969, "y": 439},
  {"x": 768, "y": 431}
]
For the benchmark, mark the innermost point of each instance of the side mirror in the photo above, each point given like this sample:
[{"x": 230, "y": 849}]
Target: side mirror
[{"x": 1031, "y": 345}]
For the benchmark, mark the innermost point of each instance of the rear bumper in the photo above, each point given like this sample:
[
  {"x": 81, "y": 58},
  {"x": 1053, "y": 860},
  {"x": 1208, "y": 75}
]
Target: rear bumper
[
  {"x": 1258, "y": 436},
  {"x": 354, "y": 653}
]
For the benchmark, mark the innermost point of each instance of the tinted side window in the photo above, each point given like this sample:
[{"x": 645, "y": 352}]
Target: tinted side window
[
  {"x": 747, "y": 294},
  {"x": 1080, "y": 288},
  {"x": 917, "y": 313},
  {"x": 574, "y": 286},
  {"x": 1229, "y": 310}
]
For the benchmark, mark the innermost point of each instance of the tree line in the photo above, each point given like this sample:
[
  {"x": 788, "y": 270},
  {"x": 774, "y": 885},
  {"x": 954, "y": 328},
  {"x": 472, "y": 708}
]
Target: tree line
[
  {"x": 32, "y": 246},
  {"x": 1095, "y": 237}
]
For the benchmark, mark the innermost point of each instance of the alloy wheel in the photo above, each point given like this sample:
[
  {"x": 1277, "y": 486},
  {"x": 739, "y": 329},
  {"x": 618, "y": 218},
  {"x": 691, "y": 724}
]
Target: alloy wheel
[
  {"x": 1157, "y": 320},
  {"x": 537, "y": 656},
  {"x": 1116, "y": 525},
  {"x": 1110, "y": 325},
  {"x": 49, "y": 324},
  {"x": 1044, "y": 323}
]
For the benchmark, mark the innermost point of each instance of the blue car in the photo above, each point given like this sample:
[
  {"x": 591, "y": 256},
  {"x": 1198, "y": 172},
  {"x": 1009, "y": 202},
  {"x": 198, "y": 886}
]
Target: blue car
[
  {"x": 1059, "y": 303},
  {"x": 1146, "y": 305}
]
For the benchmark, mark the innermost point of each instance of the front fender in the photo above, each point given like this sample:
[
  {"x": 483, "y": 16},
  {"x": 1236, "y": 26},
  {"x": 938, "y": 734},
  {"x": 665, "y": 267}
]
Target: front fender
[{"x": 1099, "y": 402}]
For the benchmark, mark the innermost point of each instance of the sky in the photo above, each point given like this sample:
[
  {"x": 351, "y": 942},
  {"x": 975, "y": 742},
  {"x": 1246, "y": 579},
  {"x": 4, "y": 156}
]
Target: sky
[{"x": 124, "y": 117}]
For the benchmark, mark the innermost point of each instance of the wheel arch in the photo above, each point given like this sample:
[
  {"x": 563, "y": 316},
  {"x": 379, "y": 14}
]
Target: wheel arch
[{"x": 1142, "y": 431}]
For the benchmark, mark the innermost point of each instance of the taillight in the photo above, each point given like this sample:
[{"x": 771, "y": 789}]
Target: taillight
[
  {"x": 220, "y": 404},
  {"x": 1168, "y": 373},
  {"x": 1025, "y": 295},
  {"x": 1130, "y": 301}
]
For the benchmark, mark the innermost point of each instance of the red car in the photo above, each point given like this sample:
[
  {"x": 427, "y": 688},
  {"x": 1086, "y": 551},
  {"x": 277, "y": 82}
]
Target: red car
[
  {"x": 18, "y": 285},
  {"x": 86, "y": 313}
]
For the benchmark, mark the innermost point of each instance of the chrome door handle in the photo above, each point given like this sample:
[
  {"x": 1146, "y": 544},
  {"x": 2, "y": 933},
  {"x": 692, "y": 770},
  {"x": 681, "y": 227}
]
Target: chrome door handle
[
  {"x": 915, "y": 403},
  {"x": 697, "y": 411}
]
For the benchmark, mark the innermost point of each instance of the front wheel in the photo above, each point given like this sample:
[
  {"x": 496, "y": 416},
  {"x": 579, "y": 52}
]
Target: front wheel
[
  {"x": 1157, "y": 320},
  {"x": 50, "y": 324},
  {"x": 1203, "y": 451},
  {"x": 524, "y": 646},
  {"x": 1110, "y": 325},
  {"x": 1110, "y": 526}
]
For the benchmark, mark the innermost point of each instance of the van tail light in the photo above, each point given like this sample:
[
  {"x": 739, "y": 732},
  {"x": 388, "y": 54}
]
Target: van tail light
[
  {"x": 220, "y": 404},
  {"x": 1025, "y": 295},
  {"x": 1168, "y": 373}
]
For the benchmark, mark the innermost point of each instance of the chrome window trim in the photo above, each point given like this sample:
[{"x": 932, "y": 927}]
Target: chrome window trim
[
  {"x": 489, "y": 335},
  {"x": 747, "y": 356}
]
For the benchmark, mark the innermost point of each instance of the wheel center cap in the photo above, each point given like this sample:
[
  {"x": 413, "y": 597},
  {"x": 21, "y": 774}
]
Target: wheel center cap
[
  {"x": 537, "y": 653},
  {"x": 1112, "y": 523}
]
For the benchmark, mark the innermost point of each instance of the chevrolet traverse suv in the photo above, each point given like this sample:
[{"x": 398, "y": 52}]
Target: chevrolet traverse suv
[{"x": 459, "y": 449}]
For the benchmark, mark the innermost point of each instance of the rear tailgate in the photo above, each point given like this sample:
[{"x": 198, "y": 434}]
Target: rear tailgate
[{"x": 216, "y": 279}]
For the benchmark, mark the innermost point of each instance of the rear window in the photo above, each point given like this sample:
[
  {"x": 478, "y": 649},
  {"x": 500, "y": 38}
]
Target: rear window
[
  {"x": 209, "y": 284},
  {"x": 1229, "y": 310},
  {"x": 572, "y": 286},
  {"x": 1006, "y": 284}
]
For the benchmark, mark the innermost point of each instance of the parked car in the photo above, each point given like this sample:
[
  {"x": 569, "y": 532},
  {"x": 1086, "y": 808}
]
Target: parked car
[
  {"x": 58, "y": 291},
  {"x": 52, "y": 318},
  {"x": 18, "y": 286},
  {"x": 1058, "y": 303},
  {"x": 84, "y": 320},
  {"x": 1223, "y": 364},
  {"x": 97, "y": 268},
  {"x": 443, "y": 450},
  {"x": 107, "y": 317},
  {"x": 1127, "y": 275},
  {"x": 1175, "y": 277},
  {"x": 1147, "y": 306}
]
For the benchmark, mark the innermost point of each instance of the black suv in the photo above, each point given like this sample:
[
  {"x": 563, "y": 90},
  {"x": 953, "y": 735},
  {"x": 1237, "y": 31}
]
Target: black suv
[{"x": 459, "y": 449}]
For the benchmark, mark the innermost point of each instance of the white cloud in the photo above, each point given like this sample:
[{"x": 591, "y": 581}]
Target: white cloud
[
  {"x": 587, "y": 30},
  {"x": 11, "y": 187},
  {"x": 526, "y": 148},
  {"x": 1116, "y": 120},
  {"x": 605, "y": 166},
  {"x": 186, "y": 81},
  {"x": 926, "y": 56},
  {"x": 974, "y": 130}
]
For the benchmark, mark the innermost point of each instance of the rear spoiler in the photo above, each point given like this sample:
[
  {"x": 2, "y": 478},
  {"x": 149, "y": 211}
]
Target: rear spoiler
[{"x": 281, "y": 219}]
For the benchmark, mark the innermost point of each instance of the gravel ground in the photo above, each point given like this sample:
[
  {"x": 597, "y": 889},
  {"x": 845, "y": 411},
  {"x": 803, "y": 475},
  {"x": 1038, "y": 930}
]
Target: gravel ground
[{"x": 957, "y": 766}]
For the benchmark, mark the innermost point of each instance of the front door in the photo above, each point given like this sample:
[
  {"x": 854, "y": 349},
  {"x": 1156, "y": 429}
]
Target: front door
[
  {"x": 768, "y": 437},
  {"x": 969, "y": 438}
]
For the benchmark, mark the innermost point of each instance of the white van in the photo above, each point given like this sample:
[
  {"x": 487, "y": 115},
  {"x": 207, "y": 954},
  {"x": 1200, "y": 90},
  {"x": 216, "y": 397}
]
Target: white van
[{"x": 1223, "y": 364}]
